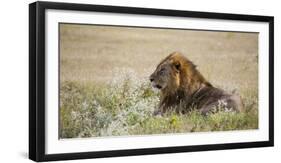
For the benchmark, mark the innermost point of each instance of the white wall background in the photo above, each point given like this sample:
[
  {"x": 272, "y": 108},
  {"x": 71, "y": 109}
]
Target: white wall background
[{"x": 14, "y": 79}]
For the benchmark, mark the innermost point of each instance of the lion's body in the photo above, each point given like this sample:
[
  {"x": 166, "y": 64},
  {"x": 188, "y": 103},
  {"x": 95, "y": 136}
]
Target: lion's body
[{"x": 183, "y": 88}]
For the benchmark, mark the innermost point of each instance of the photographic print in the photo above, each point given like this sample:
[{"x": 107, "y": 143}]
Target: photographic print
[
  {"x": 124, "y": 81},
  {"x": 108, "y": 81}
]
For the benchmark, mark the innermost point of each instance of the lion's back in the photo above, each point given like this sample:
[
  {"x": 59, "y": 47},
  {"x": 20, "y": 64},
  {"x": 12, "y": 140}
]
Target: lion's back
[{"x": 212, "y": 99}]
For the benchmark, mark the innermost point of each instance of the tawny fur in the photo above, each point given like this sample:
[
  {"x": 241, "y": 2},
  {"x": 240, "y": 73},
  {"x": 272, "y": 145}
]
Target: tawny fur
[{"x": 183, "y": 88}]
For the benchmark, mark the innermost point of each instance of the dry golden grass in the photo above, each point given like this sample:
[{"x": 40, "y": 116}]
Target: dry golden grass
[{"x": 89, "y": 53}]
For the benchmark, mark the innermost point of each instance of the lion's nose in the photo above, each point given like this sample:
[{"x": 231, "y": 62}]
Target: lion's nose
[{"x": 151, "y": 79}]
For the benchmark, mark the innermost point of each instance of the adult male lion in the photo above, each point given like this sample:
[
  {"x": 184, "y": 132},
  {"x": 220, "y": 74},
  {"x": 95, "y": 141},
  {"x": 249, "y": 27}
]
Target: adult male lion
[{"x": 183, "y": 88}]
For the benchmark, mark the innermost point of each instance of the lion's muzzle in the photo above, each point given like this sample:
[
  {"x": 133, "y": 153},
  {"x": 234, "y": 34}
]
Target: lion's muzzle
[{"x": 154, "y": 84}]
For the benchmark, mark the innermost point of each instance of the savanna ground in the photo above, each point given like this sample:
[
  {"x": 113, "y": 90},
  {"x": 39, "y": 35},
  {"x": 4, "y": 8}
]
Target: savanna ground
[{"x": 104, "y": 86}]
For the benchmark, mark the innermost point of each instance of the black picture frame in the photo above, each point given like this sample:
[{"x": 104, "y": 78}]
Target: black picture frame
[{"x": 37, "y": 80}]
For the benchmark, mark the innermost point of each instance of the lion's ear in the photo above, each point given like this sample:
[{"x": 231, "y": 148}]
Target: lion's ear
[{"x": 177, "y": 66}]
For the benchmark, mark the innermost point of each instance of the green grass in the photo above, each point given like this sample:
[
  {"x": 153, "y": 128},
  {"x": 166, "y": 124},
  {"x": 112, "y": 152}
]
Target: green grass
[{"x": 125, "y": 107}]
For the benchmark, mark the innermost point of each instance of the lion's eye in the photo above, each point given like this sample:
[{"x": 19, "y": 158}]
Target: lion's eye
[{"x": 162, "y": 71}]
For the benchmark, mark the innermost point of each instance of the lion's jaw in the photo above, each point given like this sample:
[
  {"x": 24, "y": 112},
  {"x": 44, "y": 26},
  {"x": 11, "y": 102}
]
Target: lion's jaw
[{"x": 158, "y": 86}]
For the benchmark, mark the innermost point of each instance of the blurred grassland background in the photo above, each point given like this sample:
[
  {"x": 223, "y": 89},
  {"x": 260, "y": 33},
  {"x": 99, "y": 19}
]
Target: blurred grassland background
[{"x": 104, "y": 87}]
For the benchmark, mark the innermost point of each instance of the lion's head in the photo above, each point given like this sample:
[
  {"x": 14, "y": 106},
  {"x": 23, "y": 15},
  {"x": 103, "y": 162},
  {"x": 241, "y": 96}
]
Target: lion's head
[
  {"x": 166, "y": 76},
  {"x": 176, "y": 72}
]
